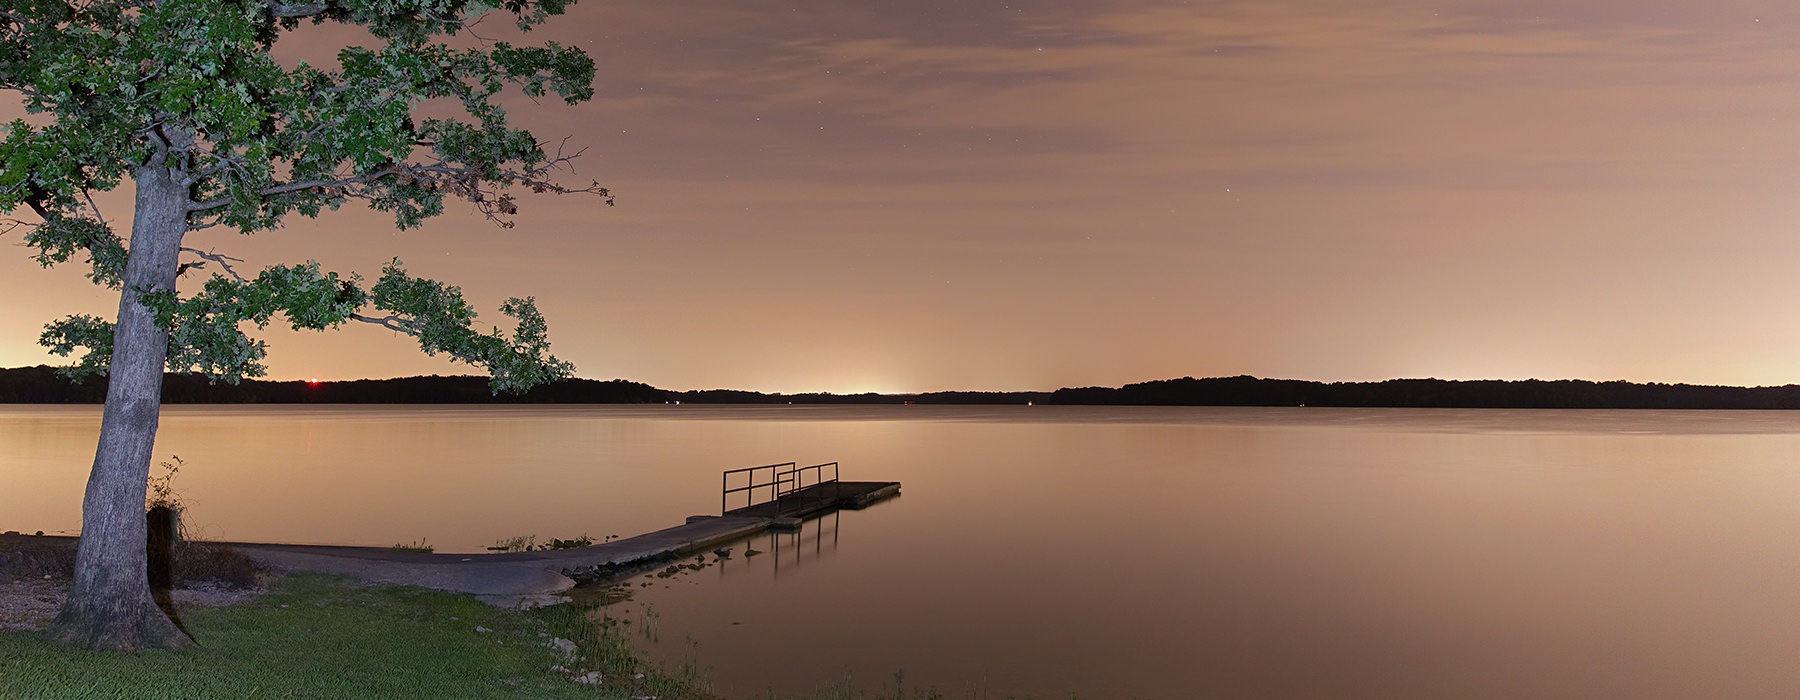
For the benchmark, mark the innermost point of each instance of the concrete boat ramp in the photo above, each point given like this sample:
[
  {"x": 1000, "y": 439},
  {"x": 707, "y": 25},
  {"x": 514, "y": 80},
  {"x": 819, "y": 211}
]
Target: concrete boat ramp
[
  {"x": 505, "y": 579},
  {"x": 515, "y": 579}
]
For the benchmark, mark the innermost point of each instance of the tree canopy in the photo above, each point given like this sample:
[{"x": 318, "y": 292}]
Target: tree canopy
[{"x": 193, "y": 85}]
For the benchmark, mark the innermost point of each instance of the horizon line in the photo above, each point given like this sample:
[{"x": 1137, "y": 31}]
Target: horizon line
[{"x": 999, "y": 391}]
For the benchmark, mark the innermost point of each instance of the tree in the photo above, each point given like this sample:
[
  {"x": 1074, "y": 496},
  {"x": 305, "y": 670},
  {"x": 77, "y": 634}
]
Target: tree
[{"x": 184, "y": 98}]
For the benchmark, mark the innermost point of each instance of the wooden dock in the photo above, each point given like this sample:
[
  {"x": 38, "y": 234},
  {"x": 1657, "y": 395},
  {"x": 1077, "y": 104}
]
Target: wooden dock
[
  {"x": 818, "y": 499},
  {"x": 782, "y": 492}
]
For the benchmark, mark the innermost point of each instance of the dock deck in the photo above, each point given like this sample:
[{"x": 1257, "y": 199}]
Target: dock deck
[
  {"x": 820, "y": 498},
  {"x": 780, "y": 492}
]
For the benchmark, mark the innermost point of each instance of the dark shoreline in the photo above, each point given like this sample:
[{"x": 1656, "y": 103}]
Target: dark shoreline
[{"x": 43, "y": 385}]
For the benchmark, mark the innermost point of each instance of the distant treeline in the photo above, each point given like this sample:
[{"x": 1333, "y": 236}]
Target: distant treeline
[
  {"x": 44, "y": 385},
  {"x": 1430, "y": 393}
]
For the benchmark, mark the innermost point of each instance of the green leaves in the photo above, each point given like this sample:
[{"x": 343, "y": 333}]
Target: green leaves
[
  {"x": 568, "y": 72},
  {"x": 436, "y": 315},
  {"x": 205, "y": 329},
  {"x": 80, "y": 331},
  {"x": 60, "y": 237},
  {"x": 190, "y": 88},
  {"x": 270, "y": 140},
  {"x": 350, "y": 133}
]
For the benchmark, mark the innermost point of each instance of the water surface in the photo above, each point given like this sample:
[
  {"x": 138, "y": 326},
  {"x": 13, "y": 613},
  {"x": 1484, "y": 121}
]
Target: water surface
[{"x": 1107, "y": 552}]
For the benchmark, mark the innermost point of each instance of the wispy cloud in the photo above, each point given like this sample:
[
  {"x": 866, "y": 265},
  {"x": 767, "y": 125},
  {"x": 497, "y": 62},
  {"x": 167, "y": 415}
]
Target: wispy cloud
[{"x": 1327, "y": 93}]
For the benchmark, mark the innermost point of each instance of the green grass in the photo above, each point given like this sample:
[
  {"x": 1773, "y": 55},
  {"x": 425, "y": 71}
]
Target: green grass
[{"x": 319, "y": 637}]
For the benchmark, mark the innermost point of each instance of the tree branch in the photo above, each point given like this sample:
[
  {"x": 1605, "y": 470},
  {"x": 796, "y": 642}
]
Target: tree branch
[
  {"x": 287, "y": 188},
  {"x": 391, "y": 322},
  {"x": 224, "y": 262},
  {"x": 399, "y": 324},
  {"x": 91, "y": 205}
]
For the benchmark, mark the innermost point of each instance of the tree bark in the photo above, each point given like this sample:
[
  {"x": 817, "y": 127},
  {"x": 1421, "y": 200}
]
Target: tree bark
[{"x": 109, "y": 606}]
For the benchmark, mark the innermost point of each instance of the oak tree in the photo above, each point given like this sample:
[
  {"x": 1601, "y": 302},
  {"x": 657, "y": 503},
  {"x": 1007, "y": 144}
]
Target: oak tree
[{"x": 185, "y": 99}]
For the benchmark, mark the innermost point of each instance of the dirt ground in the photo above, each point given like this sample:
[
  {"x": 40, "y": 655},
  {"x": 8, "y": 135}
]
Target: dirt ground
[{"x": 35, "y": 571}]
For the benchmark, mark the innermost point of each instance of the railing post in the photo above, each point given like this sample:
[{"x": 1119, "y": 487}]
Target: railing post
[{"x": 784, "y": 479}]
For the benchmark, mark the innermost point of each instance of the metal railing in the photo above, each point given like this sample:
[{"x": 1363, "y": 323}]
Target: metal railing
[
  {"x": 751, "y": 485},
  {"x": 818, "y": 472},
  {"x": 780, "y": 480}
]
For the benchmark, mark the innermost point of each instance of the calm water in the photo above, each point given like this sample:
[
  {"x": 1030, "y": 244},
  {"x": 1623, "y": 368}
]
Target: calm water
[{"x": 1106, "y": 552}]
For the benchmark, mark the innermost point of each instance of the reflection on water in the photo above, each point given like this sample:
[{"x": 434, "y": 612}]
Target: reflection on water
[
  {"x": 1107, "y": 552},
  {"x": 813, "y": 541},
  {"x": 764, "y": 555}
]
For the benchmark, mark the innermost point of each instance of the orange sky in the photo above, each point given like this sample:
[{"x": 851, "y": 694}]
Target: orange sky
[{"x": 941, "y": 194}]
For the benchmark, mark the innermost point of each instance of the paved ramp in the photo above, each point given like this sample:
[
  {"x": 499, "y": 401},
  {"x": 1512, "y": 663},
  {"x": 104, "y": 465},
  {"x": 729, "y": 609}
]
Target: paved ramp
[{"x": 505, "y": 579}]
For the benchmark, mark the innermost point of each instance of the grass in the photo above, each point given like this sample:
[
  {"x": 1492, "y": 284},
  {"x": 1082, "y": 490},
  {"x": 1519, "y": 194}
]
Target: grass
[
  {"x": 313, "y": 636},
  {"x": 419, "y": 547},
  {"x": 529, "y": 543},
  {"x": 319, "y": 637}
]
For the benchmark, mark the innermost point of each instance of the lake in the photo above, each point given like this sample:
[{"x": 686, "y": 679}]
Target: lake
[{"x": 1111, "y": 552}]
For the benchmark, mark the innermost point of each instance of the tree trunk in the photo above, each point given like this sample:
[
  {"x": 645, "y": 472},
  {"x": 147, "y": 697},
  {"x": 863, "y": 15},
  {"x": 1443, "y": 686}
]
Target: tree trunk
[{"x": 109, "y": 605}]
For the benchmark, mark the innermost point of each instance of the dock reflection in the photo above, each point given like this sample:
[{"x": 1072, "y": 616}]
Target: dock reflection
[{"x": 814, "y": 540}]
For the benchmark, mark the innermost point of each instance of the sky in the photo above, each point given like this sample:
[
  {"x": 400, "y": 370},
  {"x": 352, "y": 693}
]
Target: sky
[{"x": 959, "y": 194}]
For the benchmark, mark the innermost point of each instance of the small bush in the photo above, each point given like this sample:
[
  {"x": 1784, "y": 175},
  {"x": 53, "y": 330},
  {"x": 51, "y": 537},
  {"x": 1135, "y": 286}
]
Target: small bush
[
  {"x": 216, "y": 564},
  {"x": 529, "y": 543},
  {"x": 161, "y": 492},
  {"x": 522, "y": 543},
  {"x": 419, "y": 546},
  {"x": 581, "y": 541}
]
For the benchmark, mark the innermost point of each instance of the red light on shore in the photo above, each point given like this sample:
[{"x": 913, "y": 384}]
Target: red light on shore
[{"x": 312, "y": 382}]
